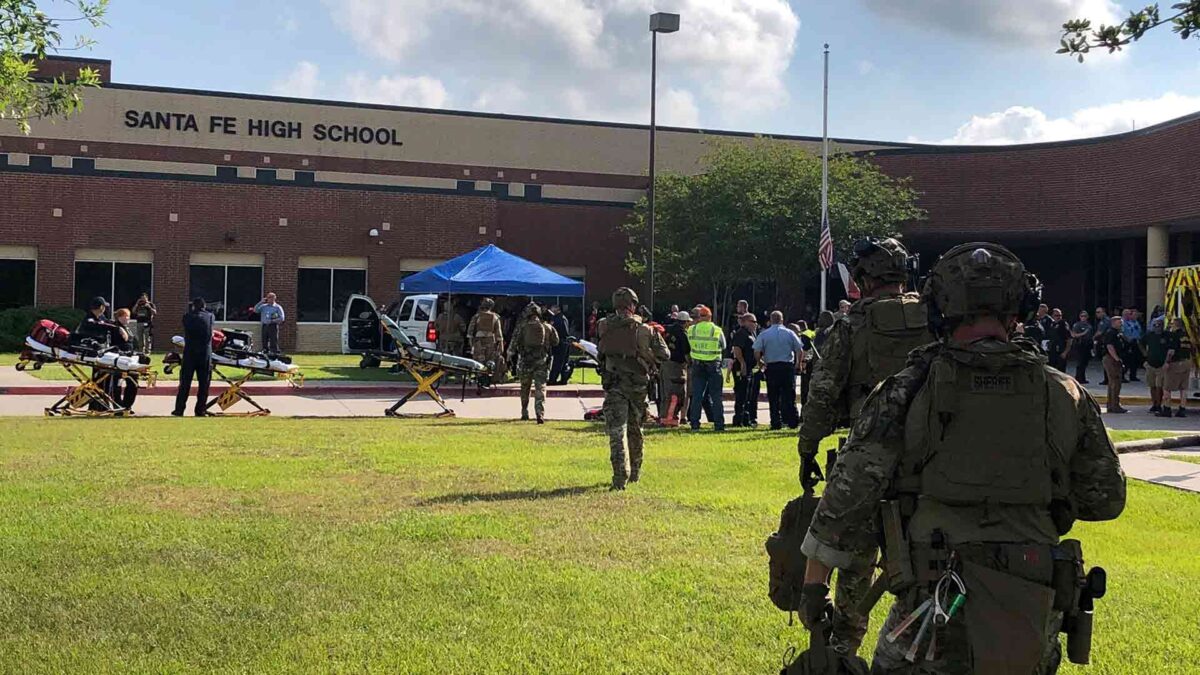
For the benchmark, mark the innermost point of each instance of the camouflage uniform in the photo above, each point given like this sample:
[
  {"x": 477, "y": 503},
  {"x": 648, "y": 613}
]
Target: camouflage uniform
[
  {"x": 983, "y": 491},
  {"x": 450, "y": 328},
  {"x": 530, "y": 349},
  {"x": 629, "y": 350},
  {"x": 870, "y": 343},
  {"x": 487, "y": 340}
]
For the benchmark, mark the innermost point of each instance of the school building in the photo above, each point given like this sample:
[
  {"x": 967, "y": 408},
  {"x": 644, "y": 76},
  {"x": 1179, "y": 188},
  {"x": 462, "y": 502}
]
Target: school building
[{"x": 184, "y": 193}]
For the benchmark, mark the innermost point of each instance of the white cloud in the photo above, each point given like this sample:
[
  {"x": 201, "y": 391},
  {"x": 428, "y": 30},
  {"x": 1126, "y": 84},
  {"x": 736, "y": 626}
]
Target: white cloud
[
  {"x": 677, "y": 107},
  {"x": 1024, "y": 124},
  {"x": 1032, "y": 23},
  {"x": 585, "y": 58},
  {"x": 303, "y": 82},
  {"x": 420, "y": 91},
  {"x": 506, "y": 96},
  {"x": 865, "y": 67}
]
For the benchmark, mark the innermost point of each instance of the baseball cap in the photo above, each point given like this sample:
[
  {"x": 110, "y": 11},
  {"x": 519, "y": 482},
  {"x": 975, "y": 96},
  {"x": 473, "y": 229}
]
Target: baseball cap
[{"x": 98, "y": 302}]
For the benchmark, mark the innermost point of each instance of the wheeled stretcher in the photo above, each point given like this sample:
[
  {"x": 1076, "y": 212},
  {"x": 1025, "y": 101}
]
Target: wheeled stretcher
[
  {"x": 94, "y": 365},
  {"x": 427, "y": 367},
  {"x": 232, "y": 350}
]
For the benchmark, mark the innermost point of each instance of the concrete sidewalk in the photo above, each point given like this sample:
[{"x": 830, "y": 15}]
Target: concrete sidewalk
[{"x": 1160, "y": 468}]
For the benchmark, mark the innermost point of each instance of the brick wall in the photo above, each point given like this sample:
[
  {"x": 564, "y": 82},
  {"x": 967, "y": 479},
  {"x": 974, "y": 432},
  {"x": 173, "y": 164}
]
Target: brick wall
[
  {"x": 130, "y": 213},
  {"x": 55, "y": 66},
  {"x": 1098, "y": 189}
]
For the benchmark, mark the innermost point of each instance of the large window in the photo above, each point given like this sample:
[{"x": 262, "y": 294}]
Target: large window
[
  {"x": 322, "y": 294},
  {"x": 17, "y": 283},
  {"x": 118, "y": 282},
  {"x": 231, "y": 291}
]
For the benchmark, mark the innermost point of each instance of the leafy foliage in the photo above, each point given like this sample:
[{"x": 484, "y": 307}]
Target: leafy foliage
[
  {"x": 27, "y": 35},
  {"x": 754, "y": 214},
  {"x": 1080, "y": 37},
  {"x": 15, "y": 323}
]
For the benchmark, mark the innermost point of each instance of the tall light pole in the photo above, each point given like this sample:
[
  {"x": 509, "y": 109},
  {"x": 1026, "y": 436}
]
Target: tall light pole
[{"x": 660, "y": 22}]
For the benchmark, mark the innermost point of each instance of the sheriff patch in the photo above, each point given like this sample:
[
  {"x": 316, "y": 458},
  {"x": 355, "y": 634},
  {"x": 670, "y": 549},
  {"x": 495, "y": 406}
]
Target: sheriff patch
[{"x": 992, "y": 383}]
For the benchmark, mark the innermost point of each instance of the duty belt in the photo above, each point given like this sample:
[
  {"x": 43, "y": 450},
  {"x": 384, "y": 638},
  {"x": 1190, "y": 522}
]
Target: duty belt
[{"x": 1030, "y": 561}]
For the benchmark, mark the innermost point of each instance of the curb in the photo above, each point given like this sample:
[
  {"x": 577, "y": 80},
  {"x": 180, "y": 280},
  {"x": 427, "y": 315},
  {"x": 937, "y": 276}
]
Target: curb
[
  {"x": 1169, "y": 442},
  {"x": 449, "y": 392}
]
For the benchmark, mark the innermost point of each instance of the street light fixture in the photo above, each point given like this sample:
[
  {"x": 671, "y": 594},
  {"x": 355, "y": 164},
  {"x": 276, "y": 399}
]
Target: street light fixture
[{"x": 660, "y": 22}]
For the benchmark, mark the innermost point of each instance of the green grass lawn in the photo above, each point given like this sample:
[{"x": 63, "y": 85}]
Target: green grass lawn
[
  {"x": 1193, "y": 459},
  {"x": 316, "y": 367},
  {"x": 277, "y": 545}
]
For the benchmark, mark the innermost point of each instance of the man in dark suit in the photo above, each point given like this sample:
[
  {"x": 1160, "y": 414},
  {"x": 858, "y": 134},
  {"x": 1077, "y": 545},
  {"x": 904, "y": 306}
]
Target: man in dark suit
[
  {"x": 561, "y": 351},
  {"x": 197, "y": 350}
]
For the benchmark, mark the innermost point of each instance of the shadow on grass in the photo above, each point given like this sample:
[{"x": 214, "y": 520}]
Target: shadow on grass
[{"x": 514, "y": 495}]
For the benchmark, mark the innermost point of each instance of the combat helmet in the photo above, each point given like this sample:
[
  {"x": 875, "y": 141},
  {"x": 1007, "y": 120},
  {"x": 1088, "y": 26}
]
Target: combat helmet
[
  {"x": 882, "y": 259},
  {"x": 532, "y": 309},
  {"x": 624, "y": 297},
  {"x": 980, "y": 278}
]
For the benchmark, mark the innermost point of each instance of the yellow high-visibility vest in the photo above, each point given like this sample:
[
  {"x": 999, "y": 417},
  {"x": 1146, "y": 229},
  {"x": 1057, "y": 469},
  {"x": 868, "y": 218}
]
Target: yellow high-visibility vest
[{"x": 705, "y": 341}]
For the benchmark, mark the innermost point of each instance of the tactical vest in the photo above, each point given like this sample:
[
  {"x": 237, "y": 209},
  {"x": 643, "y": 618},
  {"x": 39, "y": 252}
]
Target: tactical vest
[
  {"x": 890, "y": 328},
  {"x": 619, "y": 338},
  {"x": 487, "y": 324},
  {"x": 705, "y": 341},
  {"x": 534, "y": 338},
  {"x": 977, "y": 431}
]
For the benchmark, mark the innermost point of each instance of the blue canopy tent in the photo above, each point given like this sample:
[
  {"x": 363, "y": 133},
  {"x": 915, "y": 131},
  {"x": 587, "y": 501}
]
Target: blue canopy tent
[{"x": 492, "y": 271}]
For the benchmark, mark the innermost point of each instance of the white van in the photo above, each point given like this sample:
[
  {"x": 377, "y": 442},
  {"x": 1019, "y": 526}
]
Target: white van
[
  {"x": 362, "y": 333},
  {"x": 377, "y": 337},
  {"x": 416, "y": 315}
]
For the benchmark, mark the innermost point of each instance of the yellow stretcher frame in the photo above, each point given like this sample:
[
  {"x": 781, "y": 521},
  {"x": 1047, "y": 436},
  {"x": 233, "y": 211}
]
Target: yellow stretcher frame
[
  {"x": 89, "y": 398},
  {"x": 427, "y": 376},
  {"x": 1183, "y": 294},
  {"x": 235, "y": 393}
]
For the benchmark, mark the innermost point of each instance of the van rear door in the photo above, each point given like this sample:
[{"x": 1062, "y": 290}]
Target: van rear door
[{"x": 361, "y": 330}]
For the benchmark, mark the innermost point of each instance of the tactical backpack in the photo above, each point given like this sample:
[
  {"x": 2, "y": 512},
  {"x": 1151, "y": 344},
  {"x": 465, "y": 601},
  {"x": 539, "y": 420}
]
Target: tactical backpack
[
  {"x": 785, "y": 560},
  {"x": 892, "y": 327}
]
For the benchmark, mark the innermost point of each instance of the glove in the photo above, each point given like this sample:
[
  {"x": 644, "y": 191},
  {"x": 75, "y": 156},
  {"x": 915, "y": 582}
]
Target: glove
[
  {"x": 814, "y": 600},
  {"x": 810, "y": 470}
]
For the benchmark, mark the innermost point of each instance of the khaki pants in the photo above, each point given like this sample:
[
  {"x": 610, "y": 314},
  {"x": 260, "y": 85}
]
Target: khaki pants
[{"x": 1112, "y": 370}]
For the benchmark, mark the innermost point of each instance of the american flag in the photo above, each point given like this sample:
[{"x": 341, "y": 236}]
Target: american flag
[{"x": 825, "y": 247}]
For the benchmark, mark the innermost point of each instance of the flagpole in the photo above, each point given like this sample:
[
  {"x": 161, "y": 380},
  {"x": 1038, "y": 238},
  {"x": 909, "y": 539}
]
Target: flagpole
[{"x": 825, "y": 171}]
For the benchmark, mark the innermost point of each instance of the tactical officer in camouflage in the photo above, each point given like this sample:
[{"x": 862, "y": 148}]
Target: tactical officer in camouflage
[
  {"x": 972, "y": 508},
  {"x": 871, "y": 343},
  {"x": 629, "y": 352},
  {"x": 532, "y": 342},
  {"x": 487, "y": 339}
]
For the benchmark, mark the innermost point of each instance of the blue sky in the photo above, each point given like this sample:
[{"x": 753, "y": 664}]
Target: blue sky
[{"x": 972, "y": 71}]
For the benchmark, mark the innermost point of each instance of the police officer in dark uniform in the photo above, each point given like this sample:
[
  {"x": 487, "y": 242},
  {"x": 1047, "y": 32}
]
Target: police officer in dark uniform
[
  {"x": 95, "y": 325},
  {"x": 197, "y": 351}
]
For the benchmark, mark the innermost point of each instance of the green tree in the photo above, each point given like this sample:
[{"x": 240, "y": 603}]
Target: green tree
[
  {"x": 27, "y": 35},
  {"x": 754, "y": 214},
  {"x": 1080, "y": 37}
]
